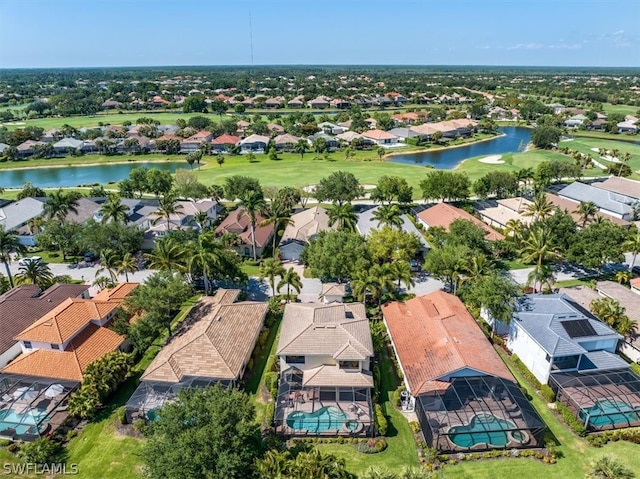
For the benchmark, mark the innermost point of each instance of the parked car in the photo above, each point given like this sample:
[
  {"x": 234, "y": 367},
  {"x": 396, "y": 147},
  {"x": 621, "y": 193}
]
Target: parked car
[
  {"x": 26, "y": 261},
  {"x": 414, "y": 265},
  {"x": 636, "y": 270},
  {"x": 90, "y": 257}
]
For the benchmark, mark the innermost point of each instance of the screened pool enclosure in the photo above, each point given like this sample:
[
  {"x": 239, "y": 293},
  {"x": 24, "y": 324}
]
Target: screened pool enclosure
[{"x": 478, "y": 413}]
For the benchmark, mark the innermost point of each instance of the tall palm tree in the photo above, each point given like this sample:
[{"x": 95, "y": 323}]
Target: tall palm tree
[
  {"x": 35, "y": 225},
  {"x": 537, "y": 248},
  {"x": 290, "y": 279},
  {"x": 513, "y": 228},
  {"x": 166, "y": 209},
  {"x": 201, "y": 218},
  {"x": 35, "y": 272},
  {"x": 270, "y": 268},
  {"x": 388, "y": 215},
  {"x": 204, "y": 255},
  {"x": 609, "y": 467},
  {"x": 400, "y": 271},
  {"x": 344, "y": 215},
  {"x": 128, "y": 264},
  {"x": 167, "y": 255},
  {"x": 279, "y": 216},
  {"x": 608, "y": 310},
  {"x": 364, "y": 283},
  {"x": 109, "y": 263},
  {"x": 479, "y": 265},
  {"x": 9, "y": 242},
  {"x": 301, "y": 147},
  {"x": 542, "y": 275},
  {"x": 540, "y": 208},
  {"x": 59, "y": 204},
  {"x": 114, "y": 210},
  {"x": 586, "y": 210},
  {"x": 632, "y": 245},
  {"x": 252, "y": 203}
]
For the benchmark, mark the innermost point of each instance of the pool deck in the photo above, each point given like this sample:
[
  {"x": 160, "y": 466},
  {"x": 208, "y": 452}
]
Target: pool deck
[{"x": 358, "y": 410}]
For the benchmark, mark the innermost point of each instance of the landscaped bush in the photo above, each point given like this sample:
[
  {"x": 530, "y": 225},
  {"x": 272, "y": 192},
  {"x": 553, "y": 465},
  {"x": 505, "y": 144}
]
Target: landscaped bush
[
  {"x": 547, "y": 393},
  {"x": 269, "y": 413},
  {"x": 5, "y": 442},
  {"x": 271, "y": 383},
  {"x": 631, "y": 434},
  {"x": 415, "y": 427},
  {"x": 635, "y": 367},
  {"x": 40, "y": 451},
  {"x": 526, "y": 373},
  {"x": 372, "y": 446},
  {"x": 575, "y": 425},
  {"x": 380, "y": 420},
  {"x": 141, "y": 426}
]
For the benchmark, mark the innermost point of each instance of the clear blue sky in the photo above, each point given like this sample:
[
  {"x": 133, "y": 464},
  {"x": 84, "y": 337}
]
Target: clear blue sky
[{"x": 78, "y": 33}]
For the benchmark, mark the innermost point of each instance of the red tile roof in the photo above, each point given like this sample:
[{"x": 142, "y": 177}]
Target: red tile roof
[
  {"x": 434, "y": 335},
  {"x": 238, "y": 222},
  {"x": 378, "y": 135},
  {"x": 443, "y": 214},
  {"x": 226, "y": 139}
]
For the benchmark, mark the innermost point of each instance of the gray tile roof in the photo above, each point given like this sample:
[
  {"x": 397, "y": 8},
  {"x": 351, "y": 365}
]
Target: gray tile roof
[
  {"x": 366, "y": 223},
  {"x": 20, "y": 212},
  {"x": 602, "y": 360},
  {"x": 541, "y": 316},
  {"x": 606, "y": 200}
]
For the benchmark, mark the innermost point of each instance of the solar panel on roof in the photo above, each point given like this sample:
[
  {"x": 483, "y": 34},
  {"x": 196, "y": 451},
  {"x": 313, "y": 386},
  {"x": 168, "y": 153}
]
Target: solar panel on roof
[{"x": 578, "y": 328}]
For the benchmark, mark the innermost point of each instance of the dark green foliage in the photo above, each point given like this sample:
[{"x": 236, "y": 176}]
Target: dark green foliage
[
  {"x": 207, "y": 432},
  {"x": 237, "y": 186},
  {"x": 380, "y": 420},
  {"x": 40, "y": 451},
  {"x": 597, "y": 244},
  {"x": 336, "y": 254},
  {"x": 445, "y": 185},
  {"x": 545, "y": 136},
  {"x": 339, "y": 187},
  {"x": 498, "y": 184},
  {"x": 547, "y": 393},
  {"x": 568, "y": 417}
]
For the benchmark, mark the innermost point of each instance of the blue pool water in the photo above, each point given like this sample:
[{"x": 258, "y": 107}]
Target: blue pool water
[
  {"x": 610, "y": 413},
  {"x": 483, "y": 428},
  {"x": 21, "y": 422},
  {"x": 324, "y": 419}
]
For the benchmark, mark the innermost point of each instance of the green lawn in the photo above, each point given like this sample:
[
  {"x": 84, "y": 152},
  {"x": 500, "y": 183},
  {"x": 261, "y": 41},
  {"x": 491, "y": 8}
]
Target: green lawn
[
  {"x": 577, "y": 451},
  {"x": 623, "y": 109},
  {"x": 402, "y": 448}
]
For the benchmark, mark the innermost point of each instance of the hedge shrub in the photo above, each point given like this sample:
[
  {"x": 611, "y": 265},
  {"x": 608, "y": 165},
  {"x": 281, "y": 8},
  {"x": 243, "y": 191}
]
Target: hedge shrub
[
  {"x": 271, "y": 383},
  {"x": 547, "y": 393},
  {"x": 380, "y": 420},
  {"x": 575, "y": 425},
  {"x": 269, "y": 413},
  {"x": 526, "y": 373}
]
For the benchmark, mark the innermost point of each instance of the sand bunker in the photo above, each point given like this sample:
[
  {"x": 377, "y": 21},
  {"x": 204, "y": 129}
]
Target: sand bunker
[{"x": 492, "y": 160}]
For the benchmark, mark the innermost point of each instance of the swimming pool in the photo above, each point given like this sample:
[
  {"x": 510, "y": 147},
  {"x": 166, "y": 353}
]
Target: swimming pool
[
  {"x": 21, "y": 422},
  {"x": 609, "y": 412},
  {"x": 485, "y": 428},
  {"x": 327, "y": 418}
]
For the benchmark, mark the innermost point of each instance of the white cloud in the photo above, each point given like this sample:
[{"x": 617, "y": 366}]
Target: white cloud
[{"x": 542, "y": 46}]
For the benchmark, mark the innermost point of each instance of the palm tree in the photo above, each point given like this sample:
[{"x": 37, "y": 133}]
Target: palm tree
[
  {"x": 166, "y": 209},
  {"x": 301, "y": 148},
  {"x": 586, "y": 210},
  {"x": 622, "y": 276},
  {"x": 128, "y": 264},
  {"x": 252, "y": 203},
  {"x": 114, "y": 210},
  {"x": 513, "y": 228},
  {"x": 363, "y": 283},
  {"x": 400, "y": 271},
  {"x": 623, "y": 162},
  {"x": 537, "y": 248},
  {"x": 290, "y": 279},
  {"x": 35, "y": 225},
  {"x": 167, "y": 255},
  {"x": 59, "y": 204},
  {"x": 632, "y": 245},
  {"x": 344, "y": 215},
  {"x": 109, "y": 263},
  {"x": 388, "y": 215},
  {"x": 627, "y": 326},
  {"x": 540, "y": 208},
  {"x": 9, "y": 242},
  {"x": 279, "y": 216},
  {"x": 542, "y": 275},
  {"x": 608, "y": 467},
  {"x": 608, "y": 310},
  {"x": 270, "y": 268},
  {"x": 204, "y": 255},
  {"x": 201, "y": 218},
  {"x": 35, "y": 272},
  {"x": 478, "y": 266}
]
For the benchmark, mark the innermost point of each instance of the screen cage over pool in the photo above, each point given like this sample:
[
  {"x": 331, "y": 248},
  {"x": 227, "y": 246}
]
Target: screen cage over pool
[
  {"x": 478, "y": 413},
  {"x": 32, "y": 407},
  {"x": 321, "y": 410},
  {"x": 150, "y": 396},
  {"x": 600, "y": 400}
]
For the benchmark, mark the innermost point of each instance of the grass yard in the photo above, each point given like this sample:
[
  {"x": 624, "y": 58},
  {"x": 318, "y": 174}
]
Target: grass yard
[
  {"x": 622, "y": 109},
  {"x": 402, "y": 448},
  {"x": 577, "y": 451}
]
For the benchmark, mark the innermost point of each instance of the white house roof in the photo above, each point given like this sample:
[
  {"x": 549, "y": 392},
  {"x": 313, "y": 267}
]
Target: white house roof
[
  {"x": 255, "y": 139},
  {"x": 306, "y": 225},
  {"x": 20, "y": 212},
  {"x": 69, "y": 143},
  {"x": 366, "y": 223}
]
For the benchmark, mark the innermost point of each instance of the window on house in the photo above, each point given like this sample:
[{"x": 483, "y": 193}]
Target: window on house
[
  {"x": 294, "y": 359},
  {"x": 55, "y": 346},
  {"x": 27, "y": 344},
  {"x": 349, "y": 364}
]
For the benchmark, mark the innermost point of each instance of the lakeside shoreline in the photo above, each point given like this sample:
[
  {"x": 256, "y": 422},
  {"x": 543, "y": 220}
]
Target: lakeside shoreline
[{"x": 81, "y": 165}]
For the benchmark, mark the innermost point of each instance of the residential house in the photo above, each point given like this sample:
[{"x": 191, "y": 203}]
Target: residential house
[
  {"x": 630, "y": 301},
  {"x": 28, "y": 148},
  {"x": 86, "y": 209},
  {"x": 498, "y": 213},
  {"x": 443, "y": 214},
  {"x": 182, "y": 219},
  {"x": 195, "y": 141},
  {"x": 21, "y": 306},
  {"x": 366, "y": 223},
  {"x": 3, "y": 146},
  {"x": 381, "y": 138},
  {"x": 62, "y": 147},
  {"x": 224, "y": 143},
  {"x": 214, "y": 347},
  {"x": 275, "y": 128},
  {"x": 629, "y": 125},
  {"x": 402, "y": 133},
  {"x": 254, "y": 144},
  {"x": 110, "y": 104},
  {"x": 332, "y": 143},
  {"x": 320, "y": 102},
  {"x": 333, "y": 292},
  {"x": 304, "y": 227},
  {"x": 157, "y": 101},
  {"x": 576, "y": 121},
  {"x": 620, "y": 186},
  {"x": 608, "y": 202},
  {"x": 285, "y": 142},
  {"x": 275, "y": 102},
  {"x": 340, "y": 104},
  {"x": 16, "y": 217},
  {"x": 571, "y": 207},
  {"x": 349, "y": 136},
  {"x": 62, "y": 342},
  {"x": 557, "y": 108},
  {"x": 325, "y": 353},
  {"x": 239, "y": 223},
  {"x": 297, "y": 102},
  {"x": 243, "y": 126},
  {"x": 51, "y": 136},
  {"x": 454, "y": 377},
  {"x": 331, "y": 128}
]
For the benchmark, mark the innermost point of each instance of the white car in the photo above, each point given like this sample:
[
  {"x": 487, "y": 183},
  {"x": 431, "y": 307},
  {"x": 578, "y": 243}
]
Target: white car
[{"x": 26, "y": 261}]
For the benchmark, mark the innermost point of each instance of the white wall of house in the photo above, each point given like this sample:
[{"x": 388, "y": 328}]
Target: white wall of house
[
  {"x": 529, "y": 352},
  {"x": 332, "y": 298},
  {"x": 314, "y": 361},
  {"x": 10, "y": 354},
  {"x": 461, "y": 373}
]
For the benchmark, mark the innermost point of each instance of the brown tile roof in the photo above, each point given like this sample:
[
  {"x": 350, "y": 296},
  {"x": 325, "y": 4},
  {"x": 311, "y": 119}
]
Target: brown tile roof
[
  {"x": 333, "y": 289},
  {"x": 378, "y": 135},
  {"x": 241, "y": 225},
  {"x": 22, "y": 306},
  {"x": 627, "y": 298},
  {"x": 121, "y": 291},
  {"x": 443, "y": 214},
  {"x": 216, "y": 345},
  {"x": 434, "y": 335},
  {"x": 570, "y": 206},
  {"x": 307, "y": 224},
  {"x": 226, "y": 296},
  {"x": 623, "y": 186},
  {"x": 325, "y": 329}
]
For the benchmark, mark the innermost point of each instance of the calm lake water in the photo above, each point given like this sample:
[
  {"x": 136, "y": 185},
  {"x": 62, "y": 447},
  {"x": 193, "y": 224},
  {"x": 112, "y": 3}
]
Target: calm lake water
[
  {"x": 78, "y": 175},
  {"x": 513, "y": 138}
]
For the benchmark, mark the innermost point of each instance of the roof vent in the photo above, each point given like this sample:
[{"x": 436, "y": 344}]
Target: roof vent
[{"x": 218, "y": 318}]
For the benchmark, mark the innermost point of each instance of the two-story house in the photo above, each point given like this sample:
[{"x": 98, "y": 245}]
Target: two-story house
[{"x": 325, "y": 353}]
